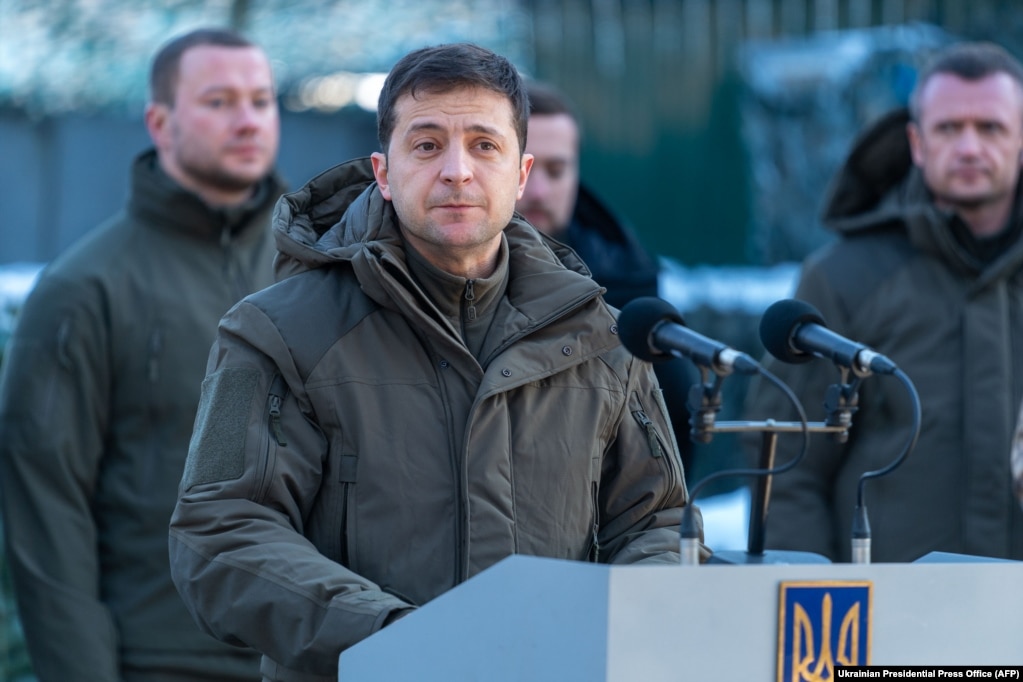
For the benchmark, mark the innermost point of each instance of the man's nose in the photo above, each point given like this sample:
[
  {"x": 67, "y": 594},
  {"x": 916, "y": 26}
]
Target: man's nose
[
  {"x": 968, "y": 141},
  {"x": 457, "y": 166},
  {"x": 249, "y": 116}
]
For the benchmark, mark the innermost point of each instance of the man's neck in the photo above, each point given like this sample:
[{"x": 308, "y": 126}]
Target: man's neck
[
  {"x": 986, "y": 220},
  {"x": 213, "y": 197}
]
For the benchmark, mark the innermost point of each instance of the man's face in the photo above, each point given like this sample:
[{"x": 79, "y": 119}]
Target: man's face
[
  {"x": 221, "y": 135},
  {"x": 550, "y": 194},
  {"x": 969, "y": 139},
  {"x": 453, "y": 172}
]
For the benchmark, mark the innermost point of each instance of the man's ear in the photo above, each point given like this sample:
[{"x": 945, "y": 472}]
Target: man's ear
[
  {"x": 915, "y": 143},
  {"x": 380, "y": 173},
  {"x": 156, "y": 117},
  {"x": 525, "y": 166}
]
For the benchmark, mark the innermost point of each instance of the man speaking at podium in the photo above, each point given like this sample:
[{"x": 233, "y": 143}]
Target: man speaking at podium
[
  {"x": 926, "y": 270},
  {"x": 435, "y": 387}
]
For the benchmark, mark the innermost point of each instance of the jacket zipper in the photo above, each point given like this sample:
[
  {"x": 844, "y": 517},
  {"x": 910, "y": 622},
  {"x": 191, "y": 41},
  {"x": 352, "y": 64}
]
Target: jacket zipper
[
  {"x": 232, "y": 273},
  {"x": 657, "y": 451},
  {"x": 275, "y": 398},
  {"x": 469, "y": 305},
  {"x": 653, "y": 440},
  {"x": 275, "y": 418}
]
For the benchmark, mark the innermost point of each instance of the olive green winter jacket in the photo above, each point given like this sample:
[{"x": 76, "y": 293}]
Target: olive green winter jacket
[
  {"x": 352, "y": 459},
  {"x": 100, "y": 387},
  {"x": 899, "y": 281}
]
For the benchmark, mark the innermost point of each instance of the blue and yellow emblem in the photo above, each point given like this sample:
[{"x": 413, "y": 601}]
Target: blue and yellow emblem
[{"x": 821, "y": 624}]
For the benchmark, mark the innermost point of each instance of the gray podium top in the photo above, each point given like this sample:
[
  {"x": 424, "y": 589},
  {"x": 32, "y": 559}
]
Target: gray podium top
[{"x": 535, "y": 619}]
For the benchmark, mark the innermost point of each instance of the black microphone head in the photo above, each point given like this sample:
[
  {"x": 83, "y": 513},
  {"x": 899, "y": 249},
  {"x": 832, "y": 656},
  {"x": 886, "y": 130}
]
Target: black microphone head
[
  {"x": 636, "y": 323},
  {"x": 780, "y": 322}
]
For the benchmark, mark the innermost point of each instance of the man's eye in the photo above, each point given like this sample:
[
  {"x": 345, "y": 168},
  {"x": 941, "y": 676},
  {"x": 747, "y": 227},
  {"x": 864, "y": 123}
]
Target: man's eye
[
  {"x": 488, "y": 146},
  {"x": 426, "y": 146},
  {"x": 555, "y": 171},
  {"x": 216, "y": 103}
]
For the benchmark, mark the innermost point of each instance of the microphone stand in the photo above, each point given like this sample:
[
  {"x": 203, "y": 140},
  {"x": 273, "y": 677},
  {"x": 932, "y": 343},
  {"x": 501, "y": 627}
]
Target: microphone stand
[
  {"x": 760, "y": 490},
  {"x": 705, "y": 402}
]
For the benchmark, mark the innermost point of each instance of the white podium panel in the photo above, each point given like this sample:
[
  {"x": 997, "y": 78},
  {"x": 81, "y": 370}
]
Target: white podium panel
[{"x": 532, "y": 619}]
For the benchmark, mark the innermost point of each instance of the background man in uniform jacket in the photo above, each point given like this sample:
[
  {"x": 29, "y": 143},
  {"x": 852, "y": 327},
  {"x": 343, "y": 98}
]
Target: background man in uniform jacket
[
  {"x": 926, "y": 270},
  {"x": 101, "y": 377}
]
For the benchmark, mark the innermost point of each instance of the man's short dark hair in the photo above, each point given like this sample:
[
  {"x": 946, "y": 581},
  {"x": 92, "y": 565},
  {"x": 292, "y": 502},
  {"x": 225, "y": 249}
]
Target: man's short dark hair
[
  {"x": 442, "y": 68},
  {"x": 547, "y": 100},
  {"x": 970, "y": 61},
  {"x": 163, "y": 77}
]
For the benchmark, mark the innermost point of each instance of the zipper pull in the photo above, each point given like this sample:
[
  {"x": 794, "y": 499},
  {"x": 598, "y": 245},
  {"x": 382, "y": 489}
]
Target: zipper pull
[
  {"x": 275, "y": 419},
  {"x": 651, "y": 433},
  {"x": 276, "y": 399},
  {"x": 470, "y": 296}
]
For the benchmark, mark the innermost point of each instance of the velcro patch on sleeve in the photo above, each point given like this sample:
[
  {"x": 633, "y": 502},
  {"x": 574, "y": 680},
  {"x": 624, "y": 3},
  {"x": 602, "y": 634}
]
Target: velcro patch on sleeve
[{"x": 217, "y": 449}]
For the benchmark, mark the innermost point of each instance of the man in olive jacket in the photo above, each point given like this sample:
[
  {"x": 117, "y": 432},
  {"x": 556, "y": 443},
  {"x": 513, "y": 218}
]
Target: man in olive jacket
[
  {"x": 926, "y": 270},
  {"x": 433, "y": 389},
  {"x": 102, "y": 375}
]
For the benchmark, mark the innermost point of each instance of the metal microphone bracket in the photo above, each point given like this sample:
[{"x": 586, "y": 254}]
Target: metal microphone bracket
[
  {"x": 841, "y": 400},
  {"x": 704, "y": 402}
]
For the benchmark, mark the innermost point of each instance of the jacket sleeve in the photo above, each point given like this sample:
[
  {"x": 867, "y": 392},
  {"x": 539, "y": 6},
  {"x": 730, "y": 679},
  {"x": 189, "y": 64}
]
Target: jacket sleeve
[
  {"x": 238, "y": 554},
  {"x": 643, "y": 489},
  {"x": 53, "y": 415},
  {"x": 801, "y": 514}
]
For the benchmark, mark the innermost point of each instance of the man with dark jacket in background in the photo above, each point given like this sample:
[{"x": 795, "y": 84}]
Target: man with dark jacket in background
[
  {"x": 101, "y": 377},
  {"x": 557, "y": 203},
  {"x": 436, "y": 386},
  {"x": 926, "y": 270}
]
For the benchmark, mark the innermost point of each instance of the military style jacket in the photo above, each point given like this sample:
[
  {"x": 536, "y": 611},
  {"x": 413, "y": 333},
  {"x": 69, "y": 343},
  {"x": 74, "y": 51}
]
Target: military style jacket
[
  {"x": 353, "y": 460},
  {"x": 100, "y": 387}
]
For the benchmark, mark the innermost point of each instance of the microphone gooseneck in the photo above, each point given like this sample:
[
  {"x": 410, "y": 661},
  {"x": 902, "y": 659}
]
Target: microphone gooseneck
[
  {"x": 861, "y": 525},
  {"x": 794, "y": 331}
]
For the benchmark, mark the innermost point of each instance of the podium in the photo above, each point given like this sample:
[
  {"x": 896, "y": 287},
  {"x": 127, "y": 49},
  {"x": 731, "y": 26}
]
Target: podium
[{"x": 537, "y": 619}]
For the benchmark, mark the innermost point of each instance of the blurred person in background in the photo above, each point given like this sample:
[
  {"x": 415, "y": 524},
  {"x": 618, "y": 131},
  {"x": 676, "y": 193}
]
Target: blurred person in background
[
  {"x": 926, "y": 270},
  {"x": 557, "y": 203},
  {"x": 101, "y": 377}
]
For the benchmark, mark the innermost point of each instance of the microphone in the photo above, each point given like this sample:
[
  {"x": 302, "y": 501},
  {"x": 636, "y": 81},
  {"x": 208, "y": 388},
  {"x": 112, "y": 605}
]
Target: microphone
[
  {"x": 653, "y": 330},
  {"x": 794, "y": 331}
]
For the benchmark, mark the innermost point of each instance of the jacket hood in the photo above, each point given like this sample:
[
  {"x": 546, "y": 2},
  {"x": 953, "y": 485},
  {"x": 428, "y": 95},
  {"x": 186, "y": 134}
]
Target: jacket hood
[
  {"x": 864, "y": 191},
  {"x": 611, "y": 250},
  {"x": 340, "y": 211}
]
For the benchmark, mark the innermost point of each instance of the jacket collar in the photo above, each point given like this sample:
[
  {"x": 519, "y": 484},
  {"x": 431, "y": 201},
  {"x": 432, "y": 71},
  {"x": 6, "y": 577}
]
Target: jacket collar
[
  {"x": 152, "y": 191},
  {"x": 340, "y": 216}
]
